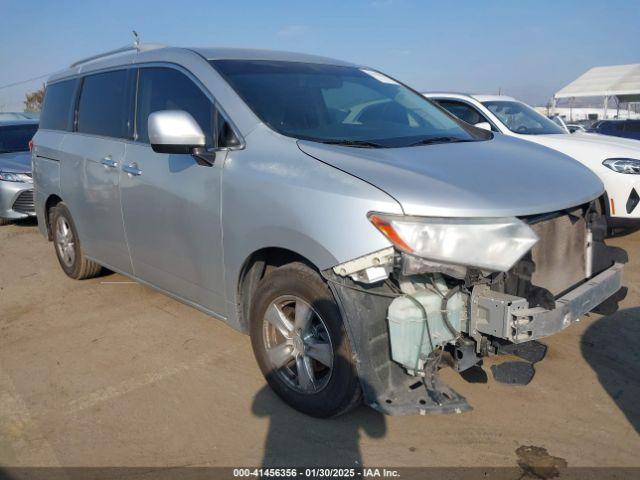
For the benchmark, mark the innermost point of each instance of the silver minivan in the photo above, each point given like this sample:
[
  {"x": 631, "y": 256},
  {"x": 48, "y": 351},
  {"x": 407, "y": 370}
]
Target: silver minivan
[{"x": 360, "y": 234}]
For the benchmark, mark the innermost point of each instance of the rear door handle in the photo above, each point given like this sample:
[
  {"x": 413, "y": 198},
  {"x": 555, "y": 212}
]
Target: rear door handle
[
  {"x": 132, "y": 169},
  {"x": 109, "y": 162}
]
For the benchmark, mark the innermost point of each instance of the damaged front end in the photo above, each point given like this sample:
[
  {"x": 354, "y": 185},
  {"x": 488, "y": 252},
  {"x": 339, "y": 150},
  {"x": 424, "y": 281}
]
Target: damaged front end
[{"x": 452, "y": 291}]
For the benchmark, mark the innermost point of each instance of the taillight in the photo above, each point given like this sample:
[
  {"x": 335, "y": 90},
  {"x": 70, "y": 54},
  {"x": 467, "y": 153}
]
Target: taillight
[{"x": 31, "y": 145}]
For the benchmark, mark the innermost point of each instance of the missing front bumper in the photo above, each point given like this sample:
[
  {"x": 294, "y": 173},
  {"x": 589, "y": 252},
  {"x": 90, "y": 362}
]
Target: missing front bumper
[{"x": 509, "y": 317}]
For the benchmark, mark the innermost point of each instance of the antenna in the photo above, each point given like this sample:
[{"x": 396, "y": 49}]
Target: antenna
[{"x": 136, "y": 39}]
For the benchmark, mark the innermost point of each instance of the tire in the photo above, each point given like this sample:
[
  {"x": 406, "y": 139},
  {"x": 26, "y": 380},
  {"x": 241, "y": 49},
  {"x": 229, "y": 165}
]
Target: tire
[
  {"x": 67, "y": 246},
  {"x": 4, "y": 221},
  {"x": 330, "y": 386}
]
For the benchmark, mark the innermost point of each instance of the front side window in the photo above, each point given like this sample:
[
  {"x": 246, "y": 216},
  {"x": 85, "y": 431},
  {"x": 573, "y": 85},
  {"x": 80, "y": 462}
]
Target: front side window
[
  {"x": 168, "y": 89},
  {"x": 521, "y": 118},
  {"x": 338, "y": 104},
  {"x": 59, "y": 102},
  {"x": 104, "y": 105},
  {"x": 15, "y": 138}
]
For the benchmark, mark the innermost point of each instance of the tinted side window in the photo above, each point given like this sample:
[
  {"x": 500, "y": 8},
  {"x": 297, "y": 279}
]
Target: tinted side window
[
  {"x": 631, "y": 126},
  {"x": 168, "y": 89},
  {"x": 606, "y": 127},
  {"x": 59, "y": 100},
  {"x": 103, "y": 107}
]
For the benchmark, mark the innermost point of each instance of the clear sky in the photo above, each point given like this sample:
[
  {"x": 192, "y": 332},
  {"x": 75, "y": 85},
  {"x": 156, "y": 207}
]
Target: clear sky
[{"x": 528, "y": 49}]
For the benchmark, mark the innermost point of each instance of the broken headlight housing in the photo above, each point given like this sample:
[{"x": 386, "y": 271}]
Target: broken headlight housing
[{"x": 494, "y": 244}]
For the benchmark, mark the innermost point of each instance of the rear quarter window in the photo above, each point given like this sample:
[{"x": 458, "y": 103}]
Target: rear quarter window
[{"x": 57, "y": 110}]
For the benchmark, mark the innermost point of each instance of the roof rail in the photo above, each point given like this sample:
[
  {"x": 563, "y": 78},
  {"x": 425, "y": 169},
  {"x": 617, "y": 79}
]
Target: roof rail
[{"x": 140, "y": 47}]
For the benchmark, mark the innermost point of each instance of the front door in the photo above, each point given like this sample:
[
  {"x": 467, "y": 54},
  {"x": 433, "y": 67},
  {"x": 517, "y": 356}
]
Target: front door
[{"x": 170, "y": 204}]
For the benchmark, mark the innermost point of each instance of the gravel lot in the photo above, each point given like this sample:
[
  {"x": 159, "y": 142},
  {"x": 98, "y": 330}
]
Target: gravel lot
[{"x": 105, "y": 372}]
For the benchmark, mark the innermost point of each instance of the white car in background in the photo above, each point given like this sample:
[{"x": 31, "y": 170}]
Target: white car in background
[
  {"x": 576, "y": 128},
  {"x": 615, "y": 160}
]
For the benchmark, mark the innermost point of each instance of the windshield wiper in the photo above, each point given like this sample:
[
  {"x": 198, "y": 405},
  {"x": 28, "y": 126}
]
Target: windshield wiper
[
  {"x": 354, "y": 143},
  {"x": 432, "y": 140}
]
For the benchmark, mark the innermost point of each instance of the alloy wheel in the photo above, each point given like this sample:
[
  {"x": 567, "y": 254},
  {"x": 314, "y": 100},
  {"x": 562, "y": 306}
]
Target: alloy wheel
[
  {"x": 65, "y": 243},
  {"x": 298, "y": 344}
]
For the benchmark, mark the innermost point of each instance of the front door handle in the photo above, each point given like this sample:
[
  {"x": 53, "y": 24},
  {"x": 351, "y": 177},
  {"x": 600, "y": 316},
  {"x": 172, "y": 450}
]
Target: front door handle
[
  {"x": 132, "y": 169},
  {"x": 109, "y": 162}
]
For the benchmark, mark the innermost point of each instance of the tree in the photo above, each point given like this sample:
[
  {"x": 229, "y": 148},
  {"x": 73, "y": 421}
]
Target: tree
[{"x": 33, "y": 100}]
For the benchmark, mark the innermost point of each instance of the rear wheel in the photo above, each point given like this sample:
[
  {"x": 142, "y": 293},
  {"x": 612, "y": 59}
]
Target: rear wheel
[
  {"x": 67, "y": 246},
  {"x": 300, "y": 343}
]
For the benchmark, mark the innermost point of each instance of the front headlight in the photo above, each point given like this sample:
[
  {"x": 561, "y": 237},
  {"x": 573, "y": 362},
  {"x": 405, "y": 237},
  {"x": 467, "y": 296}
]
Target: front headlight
[
  {"x": 486, "y": 243},
  {"x": 15, "y": 177},
  {"x": 623, "y": 165}
]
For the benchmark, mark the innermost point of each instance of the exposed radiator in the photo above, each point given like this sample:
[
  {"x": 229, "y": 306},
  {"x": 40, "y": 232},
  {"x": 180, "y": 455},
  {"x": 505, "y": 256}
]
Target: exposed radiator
[{"x": 559, "y": 257}]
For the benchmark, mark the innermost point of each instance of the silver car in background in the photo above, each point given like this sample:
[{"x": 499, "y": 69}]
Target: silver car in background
[
  {"x": 16, "y": 182},
  {"x": 359, "y": 233}
]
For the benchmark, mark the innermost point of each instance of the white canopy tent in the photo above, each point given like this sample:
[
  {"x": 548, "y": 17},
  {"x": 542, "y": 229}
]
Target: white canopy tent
[{"x": 621, "y": 82}]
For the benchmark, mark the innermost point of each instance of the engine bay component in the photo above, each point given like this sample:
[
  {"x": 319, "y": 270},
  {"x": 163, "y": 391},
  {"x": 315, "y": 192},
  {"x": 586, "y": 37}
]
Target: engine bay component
[
  {"x": 464, "y": 355},
  {"x": 370, "y": 268},
  {"x": 509, "y": 317},
  {"x": 419, "y": 324},
  {"x": 563, "y": 241},
  {"x": 412, "y": 265}
]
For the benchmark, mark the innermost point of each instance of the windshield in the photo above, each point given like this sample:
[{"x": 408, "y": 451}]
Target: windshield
[
  {"x": 337, "y": 104},
  {"x": 15, "y": 138},
  {"x": 521, "y": 118}
]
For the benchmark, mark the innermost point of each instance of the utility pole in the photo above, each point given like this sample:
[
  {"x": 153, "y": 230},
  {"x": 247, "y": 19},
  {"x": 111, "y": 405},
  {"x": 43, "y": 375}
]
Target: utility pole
[{"x": 571, "y": 108}]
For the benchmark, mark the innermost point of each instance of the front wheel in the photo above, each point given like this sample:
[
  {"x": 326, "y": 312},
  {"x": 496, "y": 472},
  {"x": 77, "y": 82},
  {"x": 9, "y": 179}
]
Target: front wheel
[{"x": 300, "y": 343}]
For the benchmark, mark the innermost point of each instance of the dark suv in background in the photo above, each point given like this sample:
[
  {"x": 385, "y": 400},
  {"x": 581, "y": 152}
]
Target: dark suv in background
[{"x": 617, "y": 128}]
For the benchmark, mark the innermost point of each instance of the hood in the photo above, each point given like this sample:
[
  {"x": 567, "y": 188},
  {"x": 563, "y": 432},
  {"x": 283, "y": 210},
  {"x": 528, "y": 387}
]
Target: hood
[
  {"x": 609, "y": 139},
  {"x": 593, "y": 139},
  {"x": 499, "y": 177},
  {"x": 17, "y": 162},
  {"x": 590, "y": 149}
]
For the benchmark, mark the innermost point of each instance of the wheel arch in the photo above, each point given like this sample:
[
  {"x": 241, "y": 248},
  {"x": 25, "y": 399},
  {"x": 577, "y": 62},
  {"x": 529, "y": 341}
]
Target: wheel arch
[
  {"x": 52, "y": 201},
  {"x": 253, "y": 269}
]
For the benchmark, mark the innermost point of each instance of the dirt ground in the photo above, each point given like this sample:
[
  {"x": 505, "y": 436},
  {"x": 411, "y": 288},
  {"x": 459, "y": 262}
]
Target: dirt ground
[{"x": 105, "y": 372}]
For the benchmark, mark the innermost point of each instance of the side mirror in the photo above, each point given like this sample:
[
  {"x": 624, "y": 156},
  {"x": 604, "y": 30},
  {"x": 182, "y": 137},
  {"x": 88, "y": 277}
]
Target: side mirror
[
  {"x": 176, "y": 131},
  {"x": 483, "y": 125}
]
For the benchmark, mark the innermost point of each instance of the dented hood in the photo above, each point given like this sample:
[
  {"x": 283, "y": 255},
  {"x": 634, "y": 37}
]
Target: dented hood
[{"x": 498, "y": 177}]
